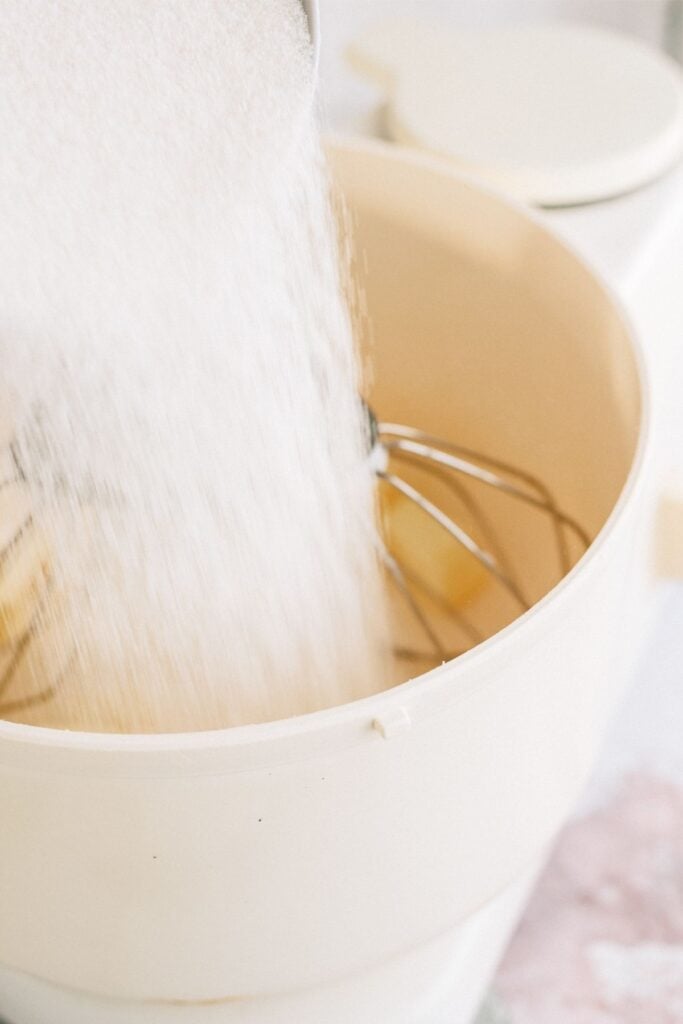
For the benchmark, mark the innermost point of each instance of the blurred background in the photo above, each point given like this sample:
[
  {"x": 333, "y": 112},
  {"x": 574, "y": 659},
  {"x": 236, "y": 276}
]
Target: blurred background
[{"x": 347, "y": 102}]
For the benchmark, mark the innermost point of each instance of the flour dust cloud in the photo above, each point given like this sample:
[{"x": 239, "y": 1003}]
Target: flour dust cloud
[{"x": 178, "y": 373}]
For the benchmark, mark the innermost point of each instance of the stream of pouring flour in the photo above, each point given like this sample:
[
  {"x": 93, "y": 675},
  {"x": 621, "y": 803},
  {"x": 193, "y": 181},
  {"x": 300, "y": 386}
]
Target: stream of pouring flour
[{"x": 179, "y": 384}]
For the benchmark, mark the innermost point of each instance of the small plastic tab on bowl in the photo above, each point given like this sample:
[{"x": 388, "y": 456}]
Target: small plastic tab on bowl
[{"x": 395, "y": 721}]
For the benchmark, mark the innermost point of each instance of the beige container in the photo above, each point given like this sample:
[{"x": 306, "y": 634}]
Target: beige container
[{"x": 364, "y": 863}]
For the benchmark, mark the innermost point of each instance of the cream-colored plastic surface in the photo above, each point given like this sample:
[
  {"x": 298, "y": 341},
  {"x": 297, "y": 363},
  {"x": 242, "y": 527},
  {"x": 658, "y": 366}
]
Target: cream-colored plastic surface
[
  {"x": 280, "y": 858},
  {"x": 439, "y": 982},
  {"x": 554, "y": 115}
]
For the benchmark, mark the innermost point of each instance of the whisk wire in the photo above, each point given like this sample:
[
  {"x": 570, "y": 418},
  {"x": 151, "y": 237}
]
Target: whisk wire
[
  {"x": 463, "y": 460},
  {"x": 453, "y": 465},
  {"x": 451, "y": 482},
  {"x": 400, "y": 579},
  {"x": 21, "y": 645},
  {"x": 485, "y": 558}
]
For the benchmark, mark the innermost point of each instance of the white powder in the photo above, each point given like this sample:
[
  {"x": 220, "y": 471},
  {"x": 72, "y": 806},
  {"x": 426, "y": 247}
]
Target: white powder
[{"x": 179, "y": 369}]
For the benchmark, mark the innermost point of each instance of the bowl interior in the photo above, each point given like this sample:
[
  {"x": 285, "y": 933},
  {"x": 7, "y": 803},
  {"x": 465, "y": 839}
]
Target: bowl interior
[
  {"x": 480, "y": 327},
  {"x": 477, "y": 325}
]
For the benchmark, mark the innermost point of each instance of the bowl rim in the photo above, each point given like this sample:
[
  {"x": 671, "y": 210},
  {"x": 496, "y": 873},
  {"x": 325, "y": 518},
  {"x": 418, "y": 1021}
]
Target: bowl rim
[{"x": 296, "y": 738}]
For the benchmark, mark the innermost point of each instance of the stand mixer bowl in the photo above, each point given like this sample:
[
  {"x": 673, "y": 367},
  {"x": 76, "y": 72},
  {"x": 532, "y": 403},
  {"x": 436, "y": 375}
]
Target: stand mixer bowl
[{"x": 367, "y": 862}]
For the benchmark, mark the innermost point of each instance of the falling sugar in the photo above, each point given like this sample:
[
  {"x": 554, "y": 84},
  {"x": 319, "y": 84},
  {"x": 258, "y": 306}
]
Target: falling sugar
[{"x": 179, "y": 373}]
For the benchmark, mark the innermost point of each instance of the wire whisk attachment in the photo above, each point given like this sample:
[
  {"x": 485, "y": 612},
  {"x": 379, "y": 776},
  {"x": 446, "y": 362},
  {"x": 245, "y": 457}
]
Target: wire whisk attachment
[{"x": 466, "y": 534}]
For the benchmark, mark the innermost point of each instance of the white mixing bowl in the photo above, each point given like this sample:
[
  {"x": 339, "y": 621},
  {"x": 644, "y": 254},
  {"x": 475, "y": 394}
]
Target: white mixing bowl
[{"x": 365, "y": 863}]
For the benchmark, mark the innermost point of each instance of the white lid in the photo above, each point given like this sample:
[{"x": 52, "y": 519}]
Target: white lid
[{"x": 555, "y": 115}]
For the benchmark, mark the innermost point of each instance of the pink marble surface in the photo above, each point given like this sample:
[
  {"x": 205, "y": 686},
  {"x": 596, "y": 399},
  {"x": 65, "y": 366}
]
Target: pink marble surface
[{"x": 602, "y": 939}]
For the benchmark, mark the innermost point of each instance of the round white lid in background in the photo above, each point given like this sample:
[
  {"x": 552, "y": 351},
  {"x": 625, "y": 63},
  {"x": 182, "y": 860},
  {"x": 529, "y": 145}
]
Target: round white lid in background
[{"x": 556, "y": 115}]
